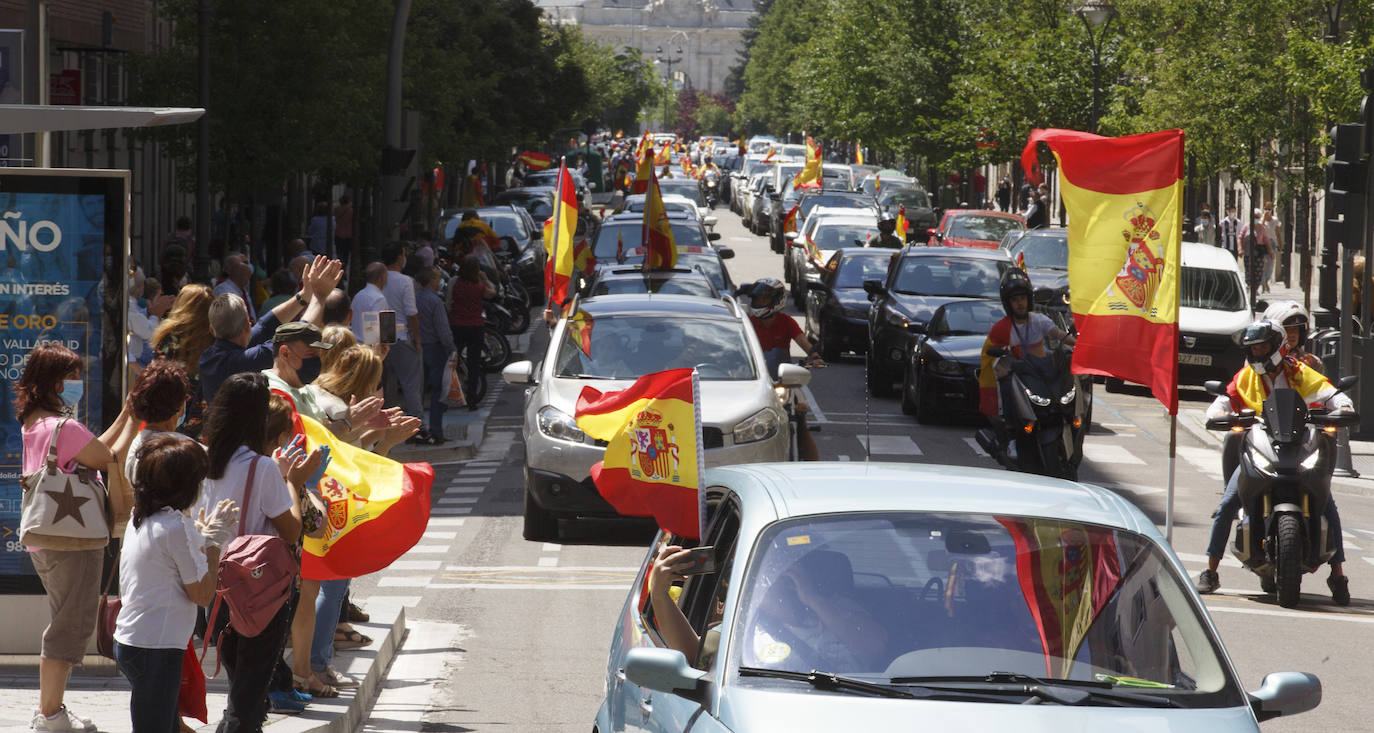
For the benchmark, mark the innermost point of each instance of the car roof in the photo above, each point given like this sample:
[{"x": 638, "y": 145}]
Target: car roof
[
  {"x": 797, "y": 489},
  {"x": 654, "y": 304},
  {"x": 621, "y": 272},
  {"x": 865, "y": 251},
  {"x": 982, "y": 212},
  {"x": 967, "y": 253},
  {"x": 1197, "y": 254}
]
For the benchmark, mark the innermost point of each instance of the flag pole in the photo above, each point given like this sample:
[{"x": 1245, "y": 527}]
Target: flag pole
[
  {"x": 701, "y": 455},
  {"x": 1169, "y": 506}
]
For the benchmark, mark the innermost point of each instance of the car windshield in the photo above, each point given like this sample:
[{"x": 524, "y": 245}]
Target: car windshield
[
  {"x": 967, "y": 318},
  {"x": 755, "y": 166},
  {"x": 628, "y": 347},
  {"x": 710, "y": 265},
  {"x": 505, "y": 224},
  {"x": 988, "y": 228},
  {"x": 636, "y": 205},
  {"x": 855, "y": 269},
  {"x": 540, "y": 207},
  {"x": 832, "y": 202},
  {"x": 1211, "y": 289},
  {"x": 908, "y": 197},
  {"x": 843, "y": 235},
  {"x": 665, "y": 285},
  {"x": 948, "y": 276},
  {"x": 686, "y": 233},
  {"x": 1044, "y": 250},
  {"x": 931, "y": 596},
  {"x": 682, "y": 187}
]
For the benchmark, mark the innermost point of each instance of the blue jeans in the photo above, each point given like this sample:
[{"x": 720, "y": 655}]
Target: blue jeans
[
  {"x": 155, "y": 675},
  {"x": 328, "y": 605},
  {"x": 435, "y": 361},
  {"x": 1230, "y": 506}
]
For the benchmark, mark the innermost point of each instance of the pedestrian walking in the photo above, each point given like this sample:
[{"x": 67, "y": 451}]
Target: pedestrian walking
[
  {"x": 1257, "y": 249},
  {"x": 1205, "y": 231},
  {"x": 1036, "y": 214},
  {"x": 1004, "y": 194},
  {"x": 1228, "y": 231}
]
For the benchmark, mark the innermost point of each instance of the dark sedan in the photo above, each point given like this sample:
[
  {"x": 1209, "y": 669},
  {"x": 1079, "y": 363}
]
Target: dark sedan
[
  {"x": 1046, "y": 255},
  {"x": 921, "y": 280},
  {"x": 920, "y": 215},
  {"x": 538, "y": 200},
  {"x": 836, "y": 303},
  {"x": 940, "y": 377}
]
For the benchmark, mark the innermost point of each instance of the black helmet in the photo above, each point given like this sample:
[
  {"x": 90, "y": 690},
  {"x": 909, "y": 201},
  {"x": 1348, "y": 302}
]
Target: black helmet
[
  {"x": 1015, "y": 281},
  {"x": 887, "y": 222},
  {"x": 1264, "y": 331},
  {"x": 768, "y": 287}
]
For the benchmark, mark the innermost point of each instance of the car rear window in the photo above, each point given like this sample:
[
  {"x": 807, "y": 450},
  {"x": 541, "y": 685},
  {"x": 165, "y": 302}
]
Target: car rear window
[
  {"x": 628, "y": 347},
  {"x": 988, "y": 228},
  {"x": 949, "y": 276},
  {"x": 631, "y": 235}
]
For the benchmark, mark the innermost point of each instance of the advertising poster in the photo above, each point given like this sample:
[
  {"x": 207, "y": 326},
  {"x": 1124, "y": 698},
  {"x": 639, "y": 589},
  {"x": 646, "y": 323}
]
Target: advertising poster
[{"x": 63, "y": 259}]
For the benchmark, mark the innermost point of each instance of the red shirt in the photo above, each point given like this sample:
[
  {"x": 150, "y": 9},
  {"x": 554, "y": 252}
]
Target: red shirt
[
  {"x": 466, "y": 308},
  {"x": 777, "y": 334}
]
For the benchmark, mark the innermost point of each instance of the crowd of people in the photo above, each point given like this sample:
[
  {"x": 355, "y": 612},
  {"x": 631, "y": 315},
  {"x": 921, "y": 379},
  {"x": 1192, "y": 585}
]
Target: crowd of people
[{"x": 206, "y": 448}]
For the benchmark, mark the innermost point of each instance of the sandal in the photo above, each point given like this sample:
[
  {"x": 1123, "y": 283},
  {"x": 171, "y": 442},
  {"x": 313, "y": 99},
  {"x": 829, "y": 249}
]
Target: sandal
[
  {"x": 313, "y": 687},
  {"x": 350, "y": 639},
  {"x": 357, "y": 614}
]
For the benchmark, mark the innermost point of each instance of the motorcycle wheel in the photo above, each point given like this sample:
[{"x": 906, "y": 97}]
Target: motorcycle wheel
[
  {"x": 1288, "y": 560},
  {"x": 519, "y": 321},
  {"x": 495, "y": 349}
]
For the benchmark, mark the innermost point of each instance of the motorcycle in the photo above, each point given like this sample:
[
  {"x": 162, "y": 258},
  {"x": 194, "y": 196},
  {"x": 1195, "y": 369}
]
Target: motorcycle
[
  {"x": 1285, "y": 460},
  {"x": 1048, "y": 424},
  {"x": 710, "y": 186}
]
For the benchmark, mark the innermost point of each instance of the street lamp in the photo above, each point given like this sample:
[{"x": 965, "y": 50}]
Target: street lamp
[
  {"x": 668, "y": 59},
  {"x": 1096, "y": 14}
]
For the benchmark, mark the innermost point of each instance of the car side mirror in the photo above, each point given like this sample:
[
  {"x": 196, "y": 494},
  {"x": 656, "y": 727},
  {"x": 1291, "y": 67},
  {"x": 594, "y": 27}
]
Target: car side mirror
[
  {"x": 710, "y": 221},
  {"x": 725, "y": 253},
  {"x": 873, "y": 287},
  {"x": 916, "y": 327},
  {"x": 1285, "y": 693},
  {"x": 664, "y": 670},
  {"x": 712, "y": 236},
  {"x": 791, "y": 375},
  {"x": 518, "y": 373},
  {"x": 790, "y": 236},
  {"x": 934, "y": 233}
]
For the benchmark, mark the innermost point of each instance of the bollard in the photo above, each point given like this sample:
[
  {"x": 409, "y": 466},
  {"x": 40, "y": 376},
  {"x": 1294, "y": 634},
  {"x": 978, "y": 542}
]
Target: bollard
[{"x": 1345, "y": 465}]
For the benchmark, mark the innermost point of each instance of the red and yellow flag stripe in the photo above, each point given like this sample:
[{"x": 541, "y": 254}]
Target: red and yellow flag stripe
[
  {"x": 658, "y": 232},
  {"x": 559, "y": 231}
]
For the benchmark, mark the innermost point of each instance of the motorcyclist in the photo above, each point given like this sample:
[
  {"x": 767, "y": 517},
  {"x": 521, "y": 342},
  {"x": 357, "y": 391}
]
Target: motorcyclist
[
  {"x": 887, "y": 226},
  {"x": 1023, "y": 332},
  {"x": 776, "y": 332},
  {"x": 1294, "y": 319},
  {"x": 1268, "y": 367}
]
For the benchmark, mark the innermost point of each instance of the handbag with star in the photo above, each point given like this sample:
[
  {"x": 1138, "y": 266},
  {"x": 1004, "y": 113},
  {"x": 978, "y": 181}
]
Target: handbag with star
[{"x": 61, "y": 510}]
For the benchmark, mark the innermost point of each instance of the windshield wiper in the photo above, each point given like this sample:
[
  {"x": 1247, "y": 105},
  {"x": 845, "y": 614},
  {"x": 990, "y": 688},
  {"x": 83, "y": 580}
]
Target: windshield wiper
[
  {"x": 1063, "y": 692},
  {"x": 583, "y": 376},
  {"x": 832, "y": 682}
]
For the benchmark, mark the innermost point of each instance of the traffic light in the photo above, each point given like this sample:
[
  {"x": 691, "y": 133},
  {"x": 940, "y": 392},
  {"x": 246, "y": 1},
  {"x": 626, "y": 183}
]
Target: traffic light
[{"x": 1349, "y": 159}]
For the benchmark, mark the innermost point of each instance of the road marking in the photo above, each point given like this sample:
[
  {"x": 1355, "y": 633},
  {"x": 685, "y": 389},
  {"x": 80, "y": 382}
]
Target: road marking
[
  {"x": 842, "y": 458},
  {"x": 749, "y": 240},
  {"x": 978, "y": 449},
  {"x": 548, "y": 562},
  {"x": 1132, "y": 488},
  {"x": 479, "y": 471},
  {"x": 534, "y": 568},
  {"x": 1229, "y": 562},
  {"x": 873, "y": 423},
  {"x": 446, "y": 522},
  {"x": 1330, "y": 616},
  {"x": 412, "y": 581},
  {"x": 1127, "y": 425},
  {"x": 1206, "y": 461},
  {"x": 460, "y": 490},
  {"x": 427, "y": 550},
  {"x": 468, "y": 480},
  {"x": 450, "y": 511},
  {"x": 480, "y": 464},
  {"x": 459, "y": 500},
  {"x": 870, "y": 414},
  {"x": 431, "y": 535},
  {"x": 622, "y": 587},
  {"x": 552, "y": 547},
  {"x": 1100, "y": 453},
  {"x": 415, "y": 564},
  {"x": 407, "y": 601},
  {"x": 891, "y": 445},
  {"x": 814, "y": 412}
]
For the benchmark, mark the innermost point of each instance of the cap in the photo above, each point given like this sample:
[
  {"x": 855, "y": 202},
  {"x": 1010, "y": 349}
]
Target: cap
[{"x": 300, "y": 331}]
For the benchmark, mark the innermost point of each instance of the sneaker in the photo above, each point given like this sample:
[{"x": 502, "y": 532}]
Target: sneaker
[
  {"x": 335, "y": 678},
  {"x": 304, "y": 698},
  {"x": 1208, "y": 581},
  {"x": 285, "y": 702},
  {"x": 65, "y": 719},
  {"x": 1340, "y": 589}
]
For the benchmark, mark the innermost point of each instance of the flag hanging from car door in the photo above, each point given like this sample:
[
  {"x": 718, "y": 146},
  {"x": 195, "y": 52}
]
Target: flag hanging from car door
[
  {"x": 653, "y": 460},
  {"x": 1124, "y": 199}
]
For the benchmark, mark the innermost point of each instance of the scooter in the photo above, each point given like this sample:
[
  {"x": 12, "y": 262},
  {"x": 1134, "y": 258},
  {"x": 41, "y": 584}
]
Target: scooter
[
  {"x": 1048, "y": 428},
  {"x": 1285, "y": 461},
  {"x": 710, "y": 183}
]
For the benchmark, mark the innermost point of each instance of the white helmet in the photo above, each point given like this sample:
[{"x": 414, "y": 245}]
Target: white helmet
[{"x": 1290, "y": 313}]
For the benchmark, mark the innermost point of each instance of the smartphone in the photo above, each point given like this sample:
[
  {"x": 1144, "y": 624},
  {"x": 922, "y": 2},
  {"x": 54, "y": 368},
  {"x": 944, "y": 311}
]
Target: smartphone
[
  {"x": 703, "y": 560},
  {"x": 386, "y": 325}
]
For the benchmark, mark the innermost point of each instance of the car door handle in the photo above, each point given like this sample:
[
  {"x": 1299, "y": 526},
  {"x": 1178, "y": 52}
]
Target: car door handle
[{"x": 646, "y": 705}]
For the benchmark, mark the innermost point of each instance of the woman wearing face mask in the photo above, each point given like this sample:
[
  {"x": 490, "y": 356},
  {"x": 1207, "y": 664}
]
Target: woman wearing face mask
[{"x": 50, "y": 389}]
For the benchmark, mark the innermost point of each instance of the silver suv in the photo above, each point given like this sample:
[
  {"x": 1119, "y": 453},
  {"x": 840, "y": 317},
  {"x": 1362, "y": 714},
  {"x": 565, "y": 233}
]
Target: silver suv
[{"x": 628, "y": 336}]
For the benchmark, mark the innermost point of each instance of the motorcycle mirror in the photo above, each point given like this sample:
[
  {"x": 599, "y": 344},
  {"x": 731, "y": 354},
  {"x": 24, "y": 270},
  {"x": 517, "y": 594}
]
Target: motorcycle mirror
[
  {"x": 1214, "y": 386},
  {"x": 1346, "y": 382},
  {"x": 998, "y": 351}
]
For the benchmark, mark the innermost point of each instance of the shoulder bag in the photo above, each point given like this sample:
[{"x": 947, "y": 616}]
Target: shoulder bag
[{"x": 61, "y": 510}]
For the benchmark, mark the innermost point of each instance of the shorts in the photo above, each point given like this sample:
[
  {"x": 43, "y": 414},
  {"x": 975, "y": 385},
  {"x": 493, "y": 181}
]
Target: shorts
[{"x": 71, "y": 579}]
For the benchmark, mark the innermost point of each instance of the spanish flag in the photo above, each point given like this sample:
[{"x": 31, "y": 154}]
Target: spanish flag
[
  {"x": 664, "y": 157},
  {"x": 902, "y": 223},
  {"x": 789, "y": 220},
  {"x": 653, "y": 460},
  {"x": 583, "y": 259},
  {"x": 645, "y": 145},
  {"x": 810, "y": 174},
  {"x": 1067, "y": 571},
  {"x": 769, "y": 157},
  {"x": 858, "y": 153},
  {"x": 376, "y": 508},
  {"x": 687, "y": 167},
  {"x": 580, "y": 328},
  {"x": 1124, "y": 198},
  {"x": 644, "y": 171},
  {"x": 535, "y": 161},
  {"x": 658, "y": 233},
  {"x": 482, "y": 232},
  {"x": 559, "y": 231}
]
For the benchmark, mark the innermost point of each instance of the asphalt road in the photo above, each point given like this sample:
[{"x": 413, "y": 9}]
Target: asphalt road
[{"x": 534, "y": 620}]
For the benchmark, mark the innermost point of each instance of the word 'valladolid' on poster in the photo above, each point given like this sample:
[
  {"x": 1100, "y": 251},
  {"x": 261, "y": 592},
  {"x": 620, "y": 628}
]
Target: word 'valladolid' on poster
[{"x": 63, "y": 255}]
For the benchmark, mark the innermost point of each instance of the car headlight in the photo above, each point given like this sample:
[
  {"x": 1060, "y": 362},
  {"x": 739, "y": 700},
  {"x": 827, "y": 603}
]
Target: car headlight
[
  {"x": 1037, "y": 400},
  {"x": 895, "y": 318},
  {"x": 1068, "y": 396},
  {"x": 946, "y": 367},
  {"x": 759, "y": 426},
  {"x": 559, "y": 425}
]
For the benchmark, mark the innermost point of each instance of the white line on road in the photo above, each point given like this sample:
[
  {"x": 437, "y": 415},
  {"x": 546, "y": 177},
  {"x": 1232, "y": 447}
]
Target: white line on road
[
  {"x": 815, "y": 414},
  {"x": 450, "y": 511},
  {"x": 1107, "y": 453},
  {"x": 460, "y": 490},
  {"x": 527, "y": 586},
  {"x": 434, "y": 550},
  {"x": 373, "y": 601},
  {"x": 1132, "y": 426},
  {"x": 869, "y": 414},
  {"x": 1332, "y": 616},
  {"x": 392, "y": 581},
  {"x": 842, "y": 458},
  {"x": 415, "y": 565},
  {"x": 552, "y": 547},
  {"x": 1229, "y": 562},
  {"x": 458, "y": 500},
  {"x": 973, "y": 443},
  {"x": 548, "y": 562},
  {"x": 1132, "y": 488},
  {"x": 432, "y": 535},
  {"x": 469, "y": 480},
  {"x": 479, "y": 471},
  {"x": 484, "y": 464},
  {"x": 433, "y": 522},
  {"x": 577, "y": 568},
  {"x": 890, "y": 445}
]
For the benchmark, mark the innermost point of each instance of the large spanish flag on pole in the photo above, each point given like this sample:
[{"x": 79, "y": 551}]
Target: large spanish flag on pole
[
  {"x": 810, "y": 174},
  {"x": 376, "y": 509},
  {"x": 661, "y": 248},
  {"x": 644, "y": 171},
  {"x": 559, "y": 231},
  {"x": 1124, "y": 198},
  {"x": 535, "y": 161},
  {"x": 653, "y": 462}
]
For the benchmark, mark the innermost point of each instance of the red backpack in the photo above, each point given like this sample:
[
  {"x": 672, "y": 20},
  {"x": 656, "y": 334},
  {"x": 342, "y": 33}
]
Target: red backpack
[{"x": 256, "y": 574}]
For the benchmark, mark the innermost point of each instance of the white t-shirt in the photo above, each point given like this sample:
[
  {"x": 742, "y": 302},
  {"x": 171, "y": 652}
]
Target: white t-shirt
[
  {"x": 400, "y": 295},
  {"x": 1030, "y": 336},
  {"x": 369, "y": 300},
  {"x": 271, "y": 496},
  {"x": 159, "y": 558}
]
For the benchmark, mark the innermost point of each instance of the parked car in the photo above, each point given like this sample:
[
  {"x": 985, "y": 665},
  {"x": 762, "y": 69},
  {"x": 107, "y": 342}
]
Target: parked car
[
  {"x": 826, "y": 231},
  {"x": 624, "y": 279},
  {"x": 756, "y": 212},
  {"x": 836, "y": 303},
  {"x": 947, "y": 582},
  {"x": 743, "y": 420},
  {"x": 921, "y": 280},
  {"x": 976, "y": 228}
]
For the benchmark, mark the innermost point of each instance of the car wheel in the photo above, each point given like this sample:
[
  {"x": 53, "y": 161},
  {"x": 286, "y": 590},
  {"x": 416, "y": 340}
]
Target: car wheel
[
  {"x": 879, "y": 383},
  {"x": 799, "y": 294},
  {"x": 787, "y": 270},
  {"x": 540, "y": 524},
  {"x": 908, "y": 403},
  {"x": 925, "y": 410},
  {"x": 830, "y": 346}
]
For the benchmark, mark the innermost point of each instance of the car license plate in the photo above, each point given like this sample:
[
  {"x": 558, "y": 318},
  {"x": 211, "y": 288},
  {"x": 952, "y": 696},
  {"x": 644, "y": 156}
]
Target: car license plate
[{"x": 1195, "y": 359}]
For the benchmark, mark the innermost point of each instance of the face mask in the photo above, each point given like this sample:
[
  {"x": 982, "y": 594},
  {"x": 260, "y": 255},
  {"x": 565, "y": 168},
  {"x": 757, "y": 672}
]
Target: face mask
[
  {"x": 72, "y": 389},
  {"x": 1205, "y": 221},
  {"x": 760, "y": 312}
]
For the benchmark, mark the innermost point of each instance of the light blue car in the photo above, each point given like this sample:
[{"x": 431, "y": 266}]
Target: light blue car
[{"x": 887, "y": 597}]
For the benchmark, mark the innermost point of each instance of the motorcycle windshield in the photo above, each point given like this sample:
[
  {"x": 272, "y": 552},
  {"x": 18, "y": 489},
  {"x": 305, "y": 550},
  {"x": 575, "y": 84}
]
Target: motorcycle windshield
[{"x": 1285, "y": 414}]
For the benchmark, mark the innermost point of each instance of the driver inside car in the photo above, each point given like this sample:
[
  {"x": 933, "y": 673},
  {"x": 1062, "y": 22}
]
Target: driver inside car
[{"x": 1268, "y": 367}]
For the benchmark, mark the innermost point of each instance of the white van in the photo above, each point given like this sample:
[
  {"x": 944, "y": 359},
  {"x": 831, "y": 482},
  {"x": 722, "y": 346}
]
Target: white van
[{"x": 1214, "y": 305}]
